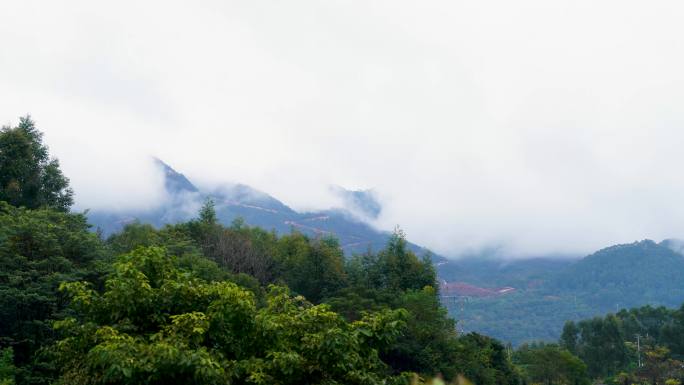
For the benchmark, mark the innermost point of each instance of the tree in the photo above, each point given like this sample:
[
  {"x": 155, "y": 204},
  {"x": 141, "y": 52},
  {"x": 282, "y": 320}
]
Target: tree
[
  {"x": 132, "y": 236},
  {"x": 312, "y": 268},
  {"x": 395, "y": 278},
  {"x": 207, "y": 213},
  {"x": 245, "y": 250},
  {"x": 551, "y": 364},
  {"x": 602, "y": 345},
  {"x": 568, "y": 338},
  {"x": 483, "y": 361},
  {"x": 28, "y": 176},
  {"x": 175, "y": 239},
  {"x": 673, "y": 334},
  {"x": 156, "y": 324},
  {"x": 239, "y": 248},
  {"x": 38, "y": 250},
  {"x": 429, "y": 345},
  {"x": 7, "y": 368},
  {"x": 401, "y": 268},
  {"x": 659, "y": 368}
]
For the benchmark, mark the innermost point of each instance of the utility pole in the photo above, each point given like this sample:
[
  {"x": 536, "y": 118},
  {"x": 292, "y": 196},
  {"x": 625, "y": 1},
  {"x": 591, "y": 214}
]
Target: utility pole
[
  {"x": 462, "y": 312},
  {"x": 638, "y": 337}
]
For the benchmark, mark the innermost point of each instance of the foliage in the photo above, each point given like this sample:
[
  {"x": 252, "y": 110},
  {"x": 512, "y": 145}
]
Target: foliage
[
  {"x": 28, "y": 177},
  {"x": 483, "y": 360},
  {"x": 629, "y": 275},
  {"x": 608, "y": 345},
  {"x": 38, "y": 250},
  {"x": 240, "y": 249},
  {"x": 569, "y": 337},
  {"x": 312, "y": 268},
  {"x": 207, "y": 213},
  {"x": 176, "y": 240},
  {"x": 551, "y": 364},
  {"x": 658, "y": 368},
  {"x": 396, "y": 278},
  {"x": 7, "y": 368},
  {"x": 193, "y": 302},
  {"x": 639, "y": 345},
  {"x": 246, "y": 250},
  {"x": 429, "y": 345},
  {"x": 400, "y": 268},
  {"x": 550, "y": 291},
  {"x": 155, "y": 324}
]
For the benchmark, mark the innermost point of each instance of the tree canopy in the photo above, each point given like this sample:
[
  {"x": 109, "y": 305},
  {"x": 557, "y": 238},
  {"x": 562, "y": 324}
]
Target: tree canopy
[
  {"x": 28, "y": 176},
  {"x": 157, "y": 324},
  {"x": 202, "y": 302}
]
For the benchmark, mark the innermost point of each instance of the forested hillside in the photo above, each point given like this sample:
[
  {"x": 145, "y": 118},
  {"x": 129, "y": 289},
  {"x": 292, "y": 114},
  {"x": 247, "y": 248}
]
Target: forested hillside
[
  {"x": 199, "y": 302},
  {"x": 626, "y": 276},
  {"x": 550, "y": 291},
  {"x": 349, "y": 223}
]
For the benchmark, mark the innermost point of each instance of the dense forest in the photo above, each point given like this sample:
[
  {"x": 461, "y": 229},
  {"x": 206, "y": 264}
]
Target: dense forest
[
  {"x": 202, "y": 302},
  {"x": 549, "y": 292}
]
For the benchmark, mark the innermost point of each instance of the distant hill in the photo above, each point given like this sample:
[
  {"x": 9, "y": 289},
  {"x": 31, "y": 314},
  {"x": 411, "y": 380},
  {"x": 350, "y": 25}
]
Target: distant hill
[
  {"x": 174, "y": 182},
  {"x": 487, "y": 271},
  {"x": 363, "y": 202},
  {"x": 550, "y": 291},
  {"x": 545, "y": 291},
  {"x": 628, "y": 275},
  {"x": 348, "y": 224}
]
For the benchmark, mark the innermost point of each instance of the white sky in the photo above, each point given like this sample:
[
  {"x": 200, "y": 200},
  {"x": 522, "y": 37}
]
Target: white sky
[{"x": 542, "y": 126}]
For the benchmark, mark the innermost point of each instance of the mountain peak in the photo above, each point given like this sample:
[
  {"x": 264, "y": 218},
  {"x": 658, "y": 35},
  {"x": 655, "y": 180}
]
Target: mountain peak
[
  {"x": 174, "y": 182},
  {"x": 362, "y": 202}
]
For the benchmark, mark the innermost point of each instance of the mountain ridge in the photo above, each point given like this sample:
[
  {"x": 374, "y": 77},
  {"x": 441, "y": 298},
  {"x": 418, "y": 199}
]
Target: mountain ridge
[
  {"x": 550, "y": 292},
  {"x": 258, "y": 208}
]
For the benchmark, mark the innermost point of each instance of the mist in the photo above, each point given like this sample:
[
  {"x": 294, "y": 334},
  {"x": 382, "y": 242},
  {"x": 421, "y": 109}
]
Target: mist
[{"x": 536, "y": 127}]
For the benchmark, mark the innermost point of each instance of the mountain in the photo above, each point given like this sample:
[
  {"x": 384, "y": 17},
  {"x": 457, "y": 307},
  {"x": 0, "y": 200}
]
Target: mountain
[
  {"x": 488, "y": 272},
  {"x": 361, "y": 202},
  {"x": 257, "y": 208},
  {"x": 547, "y": 292},
  {"x": 174, "y": 182},
  {"x": 515, "y": 301},
  {"x": 627, "y": 275}
]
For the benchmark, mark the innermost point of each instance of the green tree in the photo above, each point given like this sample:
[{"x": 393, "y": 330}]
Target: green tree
[
  {"x": 28, "y": 176},
  {"x": 401, "y": 268},
  {"x": 312, "y": 268},
  {"x": 483, "y": 360},
  {"x": 207, "y": 213},
  {"x": 658, "y": 366},
  {"x": 7, "y": 368},
  {"x": 177, "y": 241},
  {"x": 429, "y": 344},
  {"x": 568, "y": 338},
  {"x": 156, "y": 324},
  {"x": 551, "y": 364},
  {"x": 673, "y": 334},
  {"x": 38, "y": 250},
  {"x": 395, "y": 278},
  {"x": 133, "y": 235},
  {"x": 602, "y": 346}
]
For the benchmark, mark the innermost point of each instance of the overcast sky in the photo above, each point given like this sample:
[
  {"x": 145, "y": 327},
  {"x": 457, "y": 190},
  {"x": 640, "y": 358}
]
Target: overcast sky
[{"x": 539, "y": 126}]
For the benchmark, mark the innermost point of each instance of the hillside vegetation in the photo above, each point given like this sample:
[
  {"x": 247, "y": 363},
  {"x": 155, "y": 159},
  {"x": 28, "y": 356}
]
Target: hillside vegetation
[
  {"x": 199, "y": 302},
  {"x": 550, "y": 291}
]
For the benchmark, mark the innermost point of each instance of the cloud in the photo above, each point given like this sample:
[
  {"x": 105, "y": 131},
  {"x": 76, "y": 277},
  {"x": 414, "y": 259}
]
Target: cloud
[{"x": 537, "y": 126}]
